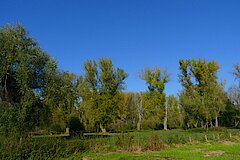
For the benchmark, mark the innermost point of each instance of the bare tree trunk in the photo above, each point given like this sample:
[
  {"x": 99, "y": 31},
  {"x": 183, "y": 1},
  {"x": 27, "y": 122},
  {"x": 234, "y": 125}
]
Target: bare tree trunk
[
  {"x": 196, "y": 124},
  {"x": 102, "y": 128},
  {"x": 202, "y": 125},
  {"x": 216, "y": 120},
  {"x": 236, "y": 123},
  {"x": 207, "y": 124},
  {"x": 139, "y": 104},
  {"x": 166, "y": 115},
  {"x": 211, "y": 123},
  {"x": 188, "y": 125}
]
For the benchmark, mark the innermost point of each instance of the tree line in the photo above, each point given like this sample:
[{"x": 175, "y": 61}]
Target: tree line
[{"x": 36, "y": 95}]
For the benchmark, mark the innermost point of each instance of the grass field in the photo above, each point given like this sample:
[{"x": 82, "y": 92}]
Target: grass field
[
  {"x": 220, "y": 144},
  {"x": 226, "y": 151}
]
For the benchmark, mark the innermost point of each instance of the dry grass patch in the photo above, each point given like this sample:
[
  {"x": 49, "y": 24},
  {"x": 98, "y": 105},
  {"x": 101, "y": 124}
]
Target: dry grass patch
[{"x": 213, "y": 153}]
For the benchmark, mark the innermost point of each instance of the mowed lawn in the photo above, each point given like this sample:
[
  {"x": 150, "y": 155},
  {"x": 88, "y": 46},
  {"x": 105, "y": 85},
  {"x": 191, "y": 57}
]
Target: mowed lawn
[{"x": 224, "y": 151}]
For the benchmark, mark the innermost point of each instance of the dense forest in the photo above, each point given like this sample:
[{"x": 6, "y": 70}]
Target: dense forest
[{"x": 36, "y": 96}]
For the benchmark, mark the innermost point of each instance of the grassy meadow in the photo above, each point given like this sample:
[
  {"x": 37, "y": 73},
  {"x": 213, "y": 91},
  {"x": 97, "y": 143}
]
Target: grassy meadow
[
  {"x": 220, "y": 144},
  {"x": 215, "y": 143},
  {"x": 227, "y": 151}
]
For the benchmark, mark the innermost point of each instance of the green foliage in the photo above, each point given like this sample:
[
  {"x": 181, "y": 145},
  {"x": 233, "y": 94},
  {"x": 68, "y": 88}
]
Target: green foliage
[
  {"x": 236, "y": 71},
  {"x": 61, "y": 96},
  {"x": 35, "y": 96},
  {"x": 203, "y": 98},
  {"x": 173, "y": 113},
  {"x": 31, "y": 83},
  {"x": 43, "y": 148},
  {"x": 22, "y": 65},
  {"x": 9, "y": 120},
  {"x": 127, "y": 112},
  {"x": 100, "y": 90},
  {"x": 232, "y": 113},
  {"x": 76, "y": 128},
  {"x": 58, "y": 120},
  {"x": 23, "y": 71},
  {"x": 153, "y": 104},
  {"x": 154, "y": 99},
  {"x": 155, "y": 78}
]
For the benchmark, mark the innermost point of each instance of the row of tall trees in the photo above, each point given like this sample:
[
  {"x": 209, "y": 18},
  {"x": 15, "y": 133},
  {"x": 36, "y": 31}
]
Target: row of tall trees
[{"x": 36, "y": 95}]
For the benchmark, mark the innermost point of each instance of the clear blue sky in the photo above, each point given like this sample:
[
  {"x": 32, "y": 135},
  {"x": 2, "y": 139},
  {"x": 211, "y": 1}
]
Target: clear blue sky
[{"x": 133, "y": 33}]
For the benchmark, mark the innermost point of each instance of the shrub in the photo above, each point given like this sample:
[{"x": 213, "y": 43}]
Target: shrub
[
  {"x": 40, "y": 148},
  {"x": 75, "y": 126}
]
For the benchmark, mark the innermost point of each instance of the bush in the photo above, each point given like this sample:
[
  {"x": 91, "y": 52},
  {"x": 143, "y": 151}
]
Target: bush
[
  {"x": 76, "y": 128},
  {"x": 40, "y": 148},
  {"x": 56, "y": 128}
]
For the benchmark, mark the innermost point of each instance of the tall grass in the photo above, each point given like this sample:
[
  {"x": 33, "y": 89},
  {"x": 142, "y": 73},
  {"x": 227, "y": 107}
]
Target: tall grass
[
  {"x": 158, "y": 140},
  {"x": 58, "y": 147},
  {"x": 41, "y": 148}
]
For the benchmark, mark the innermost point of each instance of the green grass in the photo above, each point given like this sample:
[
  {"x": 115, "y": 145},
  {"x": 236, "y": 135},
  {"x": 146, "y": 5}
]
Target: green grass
[
  {"x": 156, "y": 140},
  {"x": 219, "y": 144},
  {"x": 188, "y": 152},
  {"x": 147, "y": 145}
]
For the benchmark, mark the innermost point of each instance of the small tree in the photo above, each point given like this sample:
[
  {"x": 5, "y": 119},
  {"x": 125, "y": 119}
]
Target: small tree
[{"x": 76, "y": 128}]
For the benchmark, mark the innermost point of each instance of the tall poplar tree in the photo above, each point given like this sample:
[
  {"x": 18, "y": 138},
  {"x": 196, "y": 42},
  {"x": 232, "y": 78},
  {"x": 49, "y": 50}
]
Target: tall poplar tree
[
  {"x": 154, "y": 99},
  {"x": 202, "y": 98},
  {"x": 100, "y": 89}
]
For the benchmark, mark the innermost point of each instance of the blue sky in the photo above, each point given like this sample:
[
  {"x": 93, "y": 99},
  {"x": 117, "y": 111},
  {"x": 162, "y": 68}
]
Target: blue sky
[{"x": 133, "y": 33}]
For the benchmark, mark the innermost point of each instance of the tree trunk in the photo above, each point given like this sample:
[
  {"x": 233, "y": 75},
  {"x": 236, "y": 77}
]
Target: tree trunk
[
  {"x": 166, "y": 115},
  {"x": 188, "y": 125},
  {"x": 207, "y": 124},
  {"x": 216, "y": 120},
  {"x": 139, "y": 104},
  {"x": 211, "y": 123},
  {"x": 202, "y": 125},
  {"x": 236, "y": 123},
  {"x": 196, "y": 124},
  {"x": 102, "y": 128}
]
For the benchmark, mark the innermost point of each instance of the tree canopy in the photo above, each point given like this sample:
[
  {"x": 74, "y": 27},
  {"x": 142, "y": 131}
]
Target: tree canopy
[
  {"x": 202, "y": 98},
  {"x": 100, "y": 91},
  {"x": 35, "y": 94}
]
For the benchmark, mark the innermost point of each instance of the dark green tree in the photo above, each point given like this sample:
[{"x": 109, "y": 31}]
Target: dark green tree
[
  {"x": 23, "y": 69},
  {"x": 61, "y": 95}
]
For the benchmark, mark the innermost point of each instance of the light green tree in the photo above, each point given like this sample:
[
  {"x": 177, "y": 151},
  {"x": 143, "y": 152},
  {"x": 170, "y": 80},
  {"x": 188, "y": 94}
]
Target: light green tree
[
  {"x": 173, "y": 112},
  {"x": 154, "y": 99},
  {"x": 203, "y": 98},
  {"x": 100, "y": 90}
]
